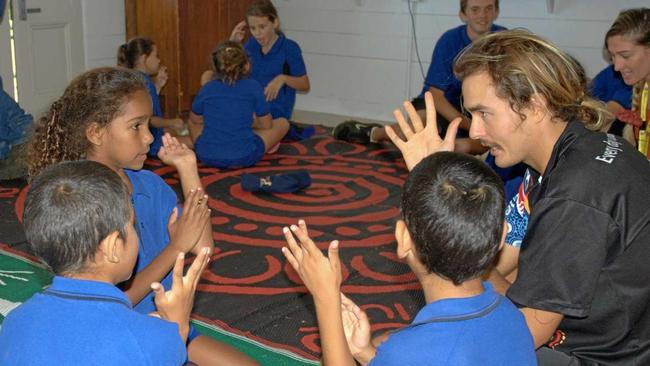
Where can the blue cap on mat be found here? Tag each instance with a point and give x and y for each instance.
(276, 183)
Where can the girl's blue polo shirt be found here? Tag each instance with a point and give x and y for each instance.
(285, 57)
(153, 201)
(81, 322)
(228, 138)
(157, 112)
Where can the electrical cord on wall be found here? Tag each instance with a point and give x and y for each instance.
(415, 40)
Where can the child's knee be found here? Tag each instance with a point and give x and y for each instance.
(281, 124)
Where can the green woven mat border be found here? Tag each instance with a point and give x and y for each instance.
(19, 286)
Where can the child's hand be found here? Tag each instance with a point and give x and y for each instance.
(174, 153)
(161, 78)
(239, 32)
(421, 141)
(321, 275)
(184, 232)
(356, 328)
(630, 117)
(273, 88)
(176, 304)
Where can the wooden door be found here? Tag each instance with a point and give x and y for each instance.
(49, 49)
(204, 23)
(185, 32)
(158, 20)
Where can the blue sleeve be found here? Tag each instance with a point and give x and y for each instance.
(517, 223)
(155, 100)
(294, 59)
(262, 107)
(197, 103)
(623, 97)
(599, 85)
(440, 74)
(14, 124)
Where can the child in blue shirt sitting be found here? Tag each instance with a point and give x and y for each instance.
(231, 123)
(78, 219)
(141, 54)
(450, 233)
(277, 62)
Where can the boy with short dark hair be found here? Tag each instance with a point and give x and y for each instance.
(78, 218)
(450, 232)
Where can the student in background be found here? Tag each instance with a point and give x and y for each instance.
(609, 87)
(142, 54)
(276, 61)
(15, 126)
(231, 122)
(78, 219)
(582, 275)
(628, 44)
(103, 115)
(478, 17)
(449, 234)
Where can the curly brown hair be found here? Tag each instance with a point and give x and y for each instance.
(96, 96)
(229, 62)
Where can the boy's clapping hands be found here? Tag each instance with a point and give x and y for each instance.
(176, 304)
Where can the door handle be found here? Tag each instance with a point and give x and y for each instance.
(23, 10)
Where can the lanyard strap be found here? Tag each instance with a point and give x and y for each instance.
(644, 102)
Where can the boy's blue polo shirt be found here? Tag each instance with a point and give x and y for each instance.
(486, 329)
(441, 70)
(81, 322)
(608, 85)
(153, 201)
(157, 112)
(285, 57)
(227, 112)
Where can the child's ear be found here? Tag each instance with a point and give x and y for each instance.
(503, 234)
(403, 237)
(94, 133)
(109, 248)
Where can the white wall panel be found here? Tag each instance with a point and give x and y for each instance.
(104, 30)
(357, 51)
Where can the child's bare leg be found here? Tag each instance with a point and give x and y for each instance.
(273, 135)
(206, 351)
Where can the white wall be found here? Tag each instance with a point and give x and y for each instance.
(357, 51)
(104, 31)
(5, 55)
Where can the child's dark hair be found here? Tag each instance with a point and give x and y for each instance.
(70, 208)
(453, 206)
(262, 8)
(229, 62)
(96, 96)
(463, 5)
(128, 53)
